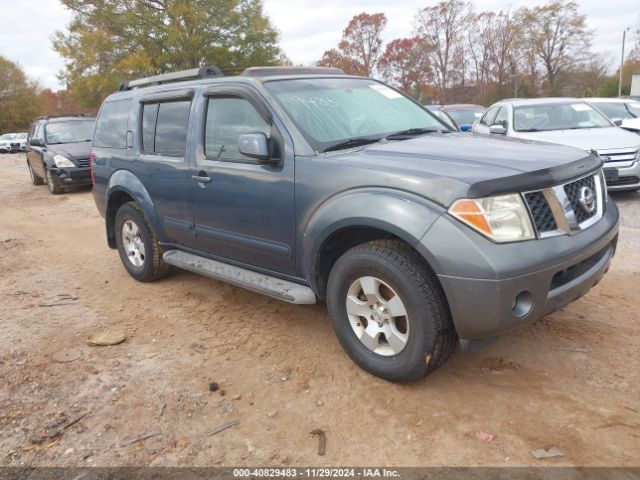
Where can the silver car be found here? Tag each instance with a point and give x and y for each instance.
(572, 122)
(624, 112)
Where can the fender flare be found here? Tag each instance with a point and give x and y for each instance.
(126, 182)
(402, 214)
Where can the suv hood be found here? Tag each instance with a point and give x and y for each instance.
(73, 151)
(444, 167)
(587, 139)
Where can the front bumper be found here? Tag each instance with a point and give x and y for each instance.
(494, 288)
(72, 176)
(628, 177)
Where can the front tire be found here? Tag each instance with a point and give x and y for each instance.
(139, 250)
(52, 183)
(389, 312)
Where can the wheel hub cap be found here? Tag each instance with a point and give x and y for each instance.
(377, 316)
(133, 243)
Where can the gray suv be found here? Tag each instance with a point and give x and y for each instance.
(307, 185)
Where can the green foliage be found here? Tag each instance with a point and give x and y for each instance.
(19, 103)
(112, 40)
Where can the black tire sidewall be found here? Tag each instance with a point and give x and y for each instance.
(410, 363)
(56, 189)
(125, 213)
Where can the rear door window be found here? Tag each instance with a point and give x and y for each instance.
(112, 125)
(164, 127)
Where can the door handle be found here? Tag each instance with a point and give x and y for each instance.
(202, 177)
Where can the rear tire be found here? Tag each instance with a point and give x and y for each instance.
(139, 250)
(35, 179)
(399, 339)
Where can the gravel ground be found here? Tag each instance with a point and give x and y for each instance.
(569, 381)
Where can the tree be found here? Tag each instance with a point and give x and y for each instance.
(359, 50)
(58, 103)
(19, 103)
(558, 37)
(111, 40)
(441, 27)
(406, 64)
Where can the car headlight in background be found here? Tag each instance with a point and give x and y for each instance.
(62, 162)
(503, 218)
(637, 159)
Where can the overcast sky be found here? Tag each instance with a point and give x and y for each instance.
(307, 27)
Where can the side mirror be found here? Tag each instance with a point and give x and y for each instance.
(36, 142)
(255, 145)
(497, 129)
(617, 122)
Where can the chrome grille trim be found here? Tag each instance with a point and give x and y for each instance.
(562, 209)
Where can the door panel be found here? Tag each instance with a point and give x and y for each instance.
(243, 210)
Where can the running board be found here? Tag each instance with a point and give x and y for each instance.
(241, 277)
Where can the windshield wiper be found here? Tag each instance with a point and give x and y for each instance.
(352, 142)
(412, 132)
(530, 130)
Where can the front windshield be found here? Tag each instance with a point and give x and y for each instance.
(615, 110)
(465, 116)
(69, 131)
(21, 136)
(329, 111)
(7, 136)
(557, 116)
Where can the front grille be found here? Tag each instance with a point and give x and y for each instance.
(83, 162)
(574, 192)
(562, 209)
(15, 145)
(622, 181)
(540, 212)
(612, 156)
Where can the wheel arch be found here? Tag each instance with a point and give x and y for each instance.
(125, 187)
(358, 217)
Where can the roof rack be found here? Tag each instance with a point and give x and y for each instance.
(46, 117)
(273, 71)
(181, 76)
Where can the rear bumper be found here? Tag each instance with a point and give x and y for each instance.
(72, 176)
(523, 281)
(628, 178)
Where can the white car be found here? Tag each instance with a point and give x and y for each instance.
(624, 112)
(5, 142)
(572, 122)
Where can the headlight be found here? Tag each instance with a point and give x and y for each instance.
(62, 162)
(503, 218)
(638, 156)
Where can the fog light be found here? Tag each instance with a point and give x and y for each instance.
(522, 304)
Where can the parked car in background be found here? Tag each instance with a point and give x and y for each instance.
(5, 142)
(464, 114)
(573, 122)
(58, 150)
(19, 142)
(624, 112)
(438, 112)
(306, 184)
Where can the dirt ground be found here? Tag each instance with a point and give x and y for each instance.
(571, 380)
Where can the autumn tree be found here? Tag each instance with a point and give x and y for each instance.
(19, 103)
(406, 64)
(558, 36)
(359, 50)
(442, 27)
(112, 40)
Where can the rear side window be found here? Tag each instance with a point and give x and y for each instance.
(111, 126)
(164, 127)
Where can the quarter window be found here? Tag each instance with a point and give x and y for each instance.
(111, 126)
(164, 127)
(227, 119)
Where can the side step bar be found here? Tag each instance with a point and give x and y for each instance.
(240, 277)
